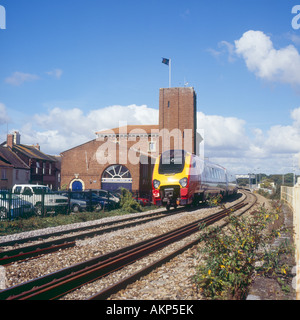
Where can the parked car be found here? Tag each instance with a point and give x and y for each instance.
(41, 197)
(13, 206)
(107, 196)
(76, 205)
(143, 201)
(93, 202)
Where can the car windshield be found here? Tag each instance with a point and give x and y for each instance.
(172, 161)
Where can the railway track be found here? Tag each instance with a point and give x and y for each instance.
(58, 284)
(110, 290)
(30, 251)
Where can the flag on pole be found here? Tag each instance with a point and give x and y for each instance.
(165, 61)
(168, 63)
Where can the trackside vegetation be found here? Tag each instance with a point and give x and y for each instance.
(230, 257)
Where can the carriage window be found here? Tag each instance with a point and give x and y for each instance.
(213, 173)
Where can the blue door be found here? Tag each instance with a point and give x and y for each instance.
(76, 186)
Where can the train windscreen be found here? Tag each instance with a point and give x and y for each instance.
(172, 162)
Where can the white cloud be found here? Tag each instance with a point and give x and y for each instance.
(59, 129)
(283, 139)
(278, 149)
(295, 115)
(224, 48)
(226, 139)
(278, 142)
(222, 132)
(18, 78)
(228, 143)
(56, 73)
(280, 145)
(265, 61)
(229, 47)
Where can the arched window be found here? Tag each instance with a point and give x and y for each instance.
(115, 177)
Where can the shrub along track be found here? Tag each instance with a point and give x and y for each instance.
(57, 284)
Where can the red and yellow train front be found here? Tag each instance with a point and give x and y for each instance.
(172, 183)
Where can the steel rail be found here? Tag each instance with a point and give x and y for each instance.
(20, 256)
(59, 283)
(22, 253)
(123, 283)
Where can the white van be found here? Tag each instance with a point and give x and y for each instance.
(41, 197)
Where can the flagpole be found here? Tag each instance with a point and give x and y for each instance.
(170, 73)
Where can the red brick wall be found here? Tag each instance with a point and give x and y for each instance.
(10, 139)
(177, 110)
(82, 162)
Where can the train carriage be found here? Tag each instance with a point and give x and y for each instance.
(181, 178)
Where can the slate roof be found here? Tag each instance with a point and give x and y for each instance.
(4, 163)
(9, 157)
(32, 152)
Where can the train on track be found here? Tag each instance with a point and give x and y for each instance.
(182, 178)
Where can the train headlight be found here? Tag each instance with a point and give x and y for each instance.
(156, 184)
(183, 182)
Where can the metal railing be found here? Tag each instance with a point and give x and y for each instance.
(14, 205)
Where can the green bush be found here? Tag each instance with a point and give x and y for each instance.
(230, 257)
(127, 202)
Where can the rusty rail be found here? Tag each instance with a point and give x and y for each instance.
(31, 251)
(59, 283)
(114, 288)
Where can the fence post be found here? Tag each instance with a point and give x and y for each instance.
(9, 213)
(69, 201)
(90, 200)
(108, 201)
(2, 278)
(43, 203)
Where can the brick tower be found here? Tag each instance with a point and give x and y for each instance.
(178, 119)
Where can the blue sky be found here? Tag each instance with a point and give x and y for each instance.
(70, 68)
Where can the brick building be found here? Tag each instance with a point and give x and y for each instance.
(178, 118)
(124, 156)
(43, 168)
(12, 169)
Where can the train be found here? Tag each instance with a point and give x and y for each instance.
(182, 178)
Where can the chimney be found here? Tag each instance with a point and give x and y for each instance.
(10, 140)
(17, 137)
